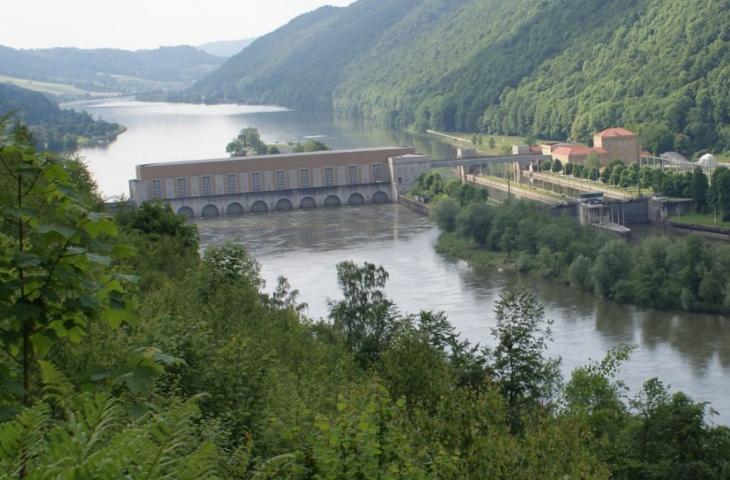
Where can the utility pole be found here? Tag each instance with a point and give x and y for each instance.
(509, 188)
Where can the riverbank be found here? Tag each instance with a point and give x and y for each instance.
(101, 141)
(455, 247)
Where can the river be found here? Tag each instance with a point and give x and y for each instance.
(690, 352)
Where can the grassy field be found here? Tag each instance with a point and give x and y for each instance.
(463, 140)
(701, 219)
(58, 89)
(590, 185)
(519, 187)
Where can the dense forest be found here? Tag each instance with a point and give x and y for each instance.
(128, 354)
(558, 69)
(54, 128)
(110, 70)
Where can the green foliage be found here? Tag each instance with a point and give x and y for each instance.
(465, 193)
(719, 192)
(661, 66)
(474, 222)
(53, 128)
(311, 145)
(92, 438)
(247, 141)
(365, 316)
(156, 219)
(429, 184)
(557, 166)
(57, 262)
(109, 70)
(525, 376)
(223, 380)
(699, 188)
(444, 213)
(686, 274)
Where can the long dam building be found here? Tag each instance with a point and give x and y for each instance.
(234, 186)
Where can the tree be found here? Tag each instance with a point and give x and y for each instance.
(365, 317)
(723, 194)
(568, 169)
(670, 438)
(611, 268)
(526, 377)
(465, 193)
(157, 219)
(444, 213)
(311, 145)
(248, 138)
(557, 166)
(492, 143)
(429, 183)
(657, 138)
(474, 222)
(713, 194)
(699, 188)
(56, 262)
(579, 273)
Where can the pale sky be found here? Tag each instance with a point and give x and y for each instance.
(135, 24)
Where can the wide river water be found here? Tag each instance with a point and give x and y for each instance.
(690, 352)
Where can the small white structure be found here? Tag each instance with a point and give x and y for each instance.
(521, 150)
(707, 161)
(462, 153)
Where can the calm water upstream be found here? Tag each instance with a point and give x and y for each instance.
(690, 352)
(159, 132)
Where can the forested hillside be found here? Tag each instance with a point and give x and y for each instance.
(109, 69)
(53, 128)
(553, 68)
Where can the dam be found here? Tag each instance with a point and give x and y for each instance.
(257, 184)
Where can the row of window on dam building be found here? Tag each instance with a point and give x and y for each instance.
(191, 186)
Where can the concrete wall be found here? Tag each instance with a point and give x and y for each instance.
(660, 209)
(619, 148)
(405, 170)
(265, 168)
(316, 197)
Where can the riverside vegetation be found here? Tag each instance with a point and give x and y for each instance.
(127, 354)
(54, 128)
(688, 274)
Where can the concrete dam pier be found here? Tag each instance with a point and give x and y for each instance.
(236, 186)
(240, 185)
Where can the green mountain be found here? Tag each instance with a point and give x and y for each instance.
(553, 68)
(54, 128)
(226, 48)
(111, 70)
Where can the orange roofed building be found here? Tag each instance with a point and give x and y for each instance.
(608, 145)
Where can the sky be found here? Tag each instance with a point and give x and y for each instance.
(137, 24)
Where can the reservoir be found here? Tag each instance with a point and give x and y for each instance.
(690, 352)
